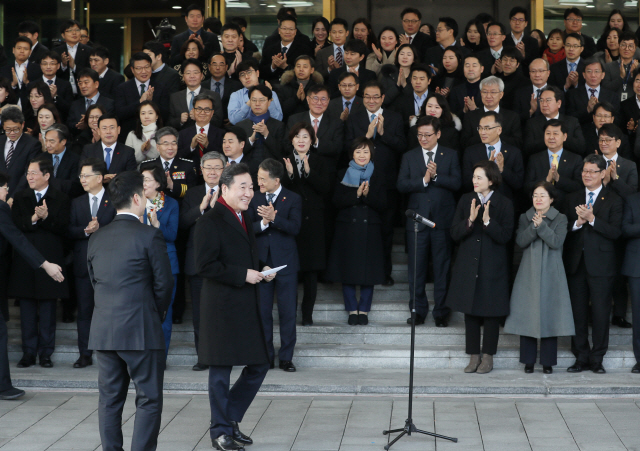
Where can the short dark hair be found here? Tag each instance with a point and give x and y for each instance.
(45, 164)
(139, 56)
(212, 23)
(23, 39)
(194, 7)
(88, 72)
(629, 36)
(361, 141)
(474, 57)
(157, 172)
(239, 21)
(229, 173)
(4, 178)
(286, 11)
(503, 29)
(411, 11)
(241, 135)
(556, 123)
(28, 26)
(68, 24)
(429, 120)
(290, 18)
(594, 60)
(247, 64)
(315, 89)
(339, 21)
(100, 51)
(104, 117)
(605, 106)
(97, 165)
(497, 117)
(347, 74)
(302, 126)
(598, 160)
(123, 187)
(574, 10)
(231, 26)
(577, 36)
(191, 61)
(548, 187)
(374, 84)
(610, 130)
(420, 68)
(491, 170)
(13, 115)
(156, 48)
(484, 18)
(273, 167)
(62, 131)
(262, 89)
(557, 93)
(356, 45)
(451, 24)
(50, 54)
(512, 52)
(306, 58)
(517, 10)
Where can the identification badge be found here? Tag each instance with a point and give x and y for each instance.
(624, 96)
(178, 175)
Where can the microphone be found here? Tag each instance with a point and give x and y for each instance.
(422, 220)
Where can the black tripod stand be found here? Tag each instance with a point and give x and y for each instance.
(409, 427)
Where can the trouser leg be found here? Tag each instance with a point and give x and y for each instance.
(472, 333)
(491, 335)
(549, 351)
(528, 350)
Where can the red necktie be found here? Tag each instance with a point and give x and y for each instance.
(200, 147)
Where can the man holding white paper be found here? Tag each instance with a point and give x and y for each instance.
(276, 213)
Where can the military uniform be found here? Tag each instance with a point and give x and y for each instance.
(183, 174)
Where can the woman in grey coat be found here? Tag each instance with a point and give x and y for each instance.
(540, 303)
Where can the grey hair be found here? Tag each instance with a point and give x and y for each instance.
(492, 80)
(204, 96)
(213, 156)
(229, 173)
(166, 131)
(13, 114)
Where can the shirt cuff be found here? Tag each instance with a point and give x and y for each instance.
(424, 183)
(263, 226)
(591, 222)
(487, 223)
(576, 226)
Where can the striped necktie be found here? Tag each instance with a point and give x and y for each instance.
(10, 153)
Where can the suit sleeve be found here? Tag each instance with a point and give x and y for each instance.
(218, 115)
(459, 228)
(161, 269)
(57, 220)
(576, 142)
(407, 184)
(630, 224)
(513, 173)
(394, 136)
(568, 184)
(18, 240)
(610, 227)
(629, 186)
(290, 225)
(332, 143)
(452, 179)
(169, 226)
(76, 229)
(273, 142)
(123, 110)
(189, 211)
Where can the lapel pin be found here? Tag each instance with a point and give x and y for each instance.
(441, 153)
(602, 198)
(564, 161)
(175, 167)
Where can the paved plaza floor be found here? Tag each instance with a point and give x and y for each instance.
(66, 420)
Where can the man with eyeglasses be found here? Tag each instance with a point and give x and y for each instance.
(384, 127)
(194, 17)
(582, 100)
(65, 163)
(274, 37)
(329, 129)
(203, 136)
(526, 100)
(411, 23)
(221, 82)
(490, 57)
(603, 113)
(573, 24)
(619, 74)
(281, 56)
(89, 86)
(61, 90)
(430, 175)
(74, 55)
(568, 73)
(630, 110)
(199, 200)
(492, 92)
(16, 149)
(117, 156)
(595, 219)
(142, 87)
(446, 34)
(42, 213)
(551, 101)
(239, 104)
(349, 101)
(492, 147)
(89, 212)
(526, 45)
(355, 52)
(182, 102)
(555, 164)
(109, 78)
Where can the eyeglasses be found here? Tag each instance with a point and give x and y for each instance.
(86, 176)
(590, 172)
(572, 46)
(425, 135)
(538, 71)
(493, 93)
(486, 129)
(347, 85)
(214, 169)
(28, 173)
(516, 20)
(203, 110)
(411, 21)
(246, 73)
(604, 116)
(548, 100)
(316, 99)
(494, 34)
(168, 143)
(628, 46)
(606, 140)
(376, 98)
(141, 68)
(193, 72)
(49, 63)
(441, 30)
(13, 130)
(148, 180)
(259, 101)
(593, 72)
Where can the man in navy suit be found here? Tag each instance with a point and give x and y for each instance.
(411, 23)
(61, 90)
(117, 157)
(276, 214)
(194, 17)
(341, 107)
(220, 82)
(631, 266)
(89, 212)
(203, 136)
(74, 54)
(569, 72)
(281, 55)
(431, 176)
(109, 78)
(65, 164)
(89, 86)
(582, 100)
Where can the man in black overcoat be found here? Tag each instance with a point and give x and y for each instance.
(631, 266)
(227, 259)
(133, 285)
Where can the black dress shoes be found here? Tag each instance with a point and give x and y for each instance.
(45, 362)
(82, 362)
(288, 366)
(528, 369)
(239, 436)
(26, 361)
(621, 322)
(598, 368)
(199, 367)
(272, 365)
(353, 320)
(441, 322)
(307, 321)
(226, 443)
(636, 368)
(389, 282)
(547, 369)
(12, 393)
(68, 317)
(363, 320)
(419, 320)
(577, 367)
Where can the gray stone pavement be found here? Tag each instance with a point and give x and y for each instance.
(49, 420)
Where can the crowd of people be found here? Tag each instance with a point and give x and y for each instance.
(500, 136)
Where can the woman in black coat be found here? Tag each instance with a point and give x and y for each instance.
(311, 177)
(356, 256)
(482, 226)
(436, 105)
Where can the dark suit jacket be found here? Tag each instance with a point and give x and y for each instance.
(512, 175)
(629, 110)
(522, 102)
(272, 144)
(534, 135)
(63, 99)
(168, 77)
(511, 130)
(597, 242)
(33, 73)
(487, 60)
(591, 142)
(179, 105)
(185, 136)
(36, 54)
(79, 107)
(559, 73)
(10, 234)
(133, 285)
(456, 99)
(123, 158)
(330, 136)
(189, 215)
(231, 85)
(422, 42)
(436, 201)
(183, 173)
(433, 55)
(109, 83)
(322, 61)
(82, 59)
(210, 40)
(405, 105)
(627, 182)
(365, 75)
(335, 108)
(27, 149)
(631, 230)
(387, 147)
(278, 241)
(80, 218)
(66, 178)
(578, 99)
(569, 170)
(296, 49)
(127, 102)
(531, 50)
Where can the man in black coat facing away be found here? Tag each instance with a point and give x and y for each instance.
(631, 266)
(9, 233)
(431, 176)
(133, 287)
(595, 219)
(227, 260)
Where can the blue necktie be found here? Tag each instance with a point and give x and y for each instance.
(38, 197)
(218, 87)
(56, 163)
(590, 203)
(107, 159)
(491, 149)
(375, 130)
(572, 66)
(270, 197)
(193, 93)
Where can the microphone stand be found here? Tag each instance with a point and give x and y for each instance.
(409, 427)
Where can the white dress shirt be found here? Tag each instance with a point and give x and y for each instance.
(195, 93)
(7, 146)
(146, 86)
(237, 160)
(206, 132)
(426, 159)
(276, 193)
